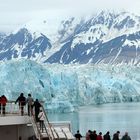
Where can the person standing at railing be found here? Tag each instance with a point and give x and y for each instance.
(88, 135)
(107, 136)
(78, 136)
(116, 135)
(30, 102)
(22, 102)
(37, 106)
(3, 103)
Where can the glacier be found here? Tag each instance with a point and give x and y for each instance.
(64, 88)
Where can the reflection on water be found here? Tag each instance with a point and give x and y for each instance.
(112, 117)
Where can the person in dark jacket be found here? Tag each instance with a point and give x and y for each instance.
(126, 136)
(78, 136)
(116, 135)
(37, 106)
(22, 102)
(3, 103)
(107, 136)
(93, 135)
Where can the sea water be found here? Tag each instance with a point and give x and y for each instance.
(108, 117)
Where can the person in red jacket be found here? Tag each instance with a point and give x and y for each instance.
(99, 137)
(3, 103)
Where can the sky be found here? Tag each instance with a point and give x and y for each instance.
(15, 13)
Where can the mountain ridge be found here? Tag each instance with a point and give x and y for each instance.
(106, 37)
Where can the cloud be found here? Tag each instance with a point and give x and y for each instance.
(14, 13)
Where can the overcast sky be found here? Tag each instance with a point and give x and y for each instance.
(14, 13)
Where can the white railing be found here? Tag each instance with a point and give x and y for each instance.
(62, 124)
(35, 127)
(48, 126)
(12, 108)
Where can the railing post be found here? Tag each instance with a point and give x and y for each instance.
(35, 127)
(49, 125)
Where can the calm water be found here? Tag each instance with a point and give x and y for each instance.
(112, 117)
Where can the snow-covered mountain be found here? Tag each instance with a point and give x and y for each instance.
(23, 44)
(106, 37)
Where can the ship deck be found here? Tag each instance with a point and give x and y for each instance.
(13, 120)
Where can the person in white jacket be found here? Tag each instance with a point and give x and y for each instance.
(41, 117)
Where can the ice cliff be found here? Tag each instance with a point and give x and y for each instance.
(65, 87)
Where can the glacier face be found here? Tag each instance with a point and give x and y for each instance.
(65, 87)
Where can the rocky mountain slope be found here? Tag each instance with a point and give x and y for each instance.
(106, 37)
